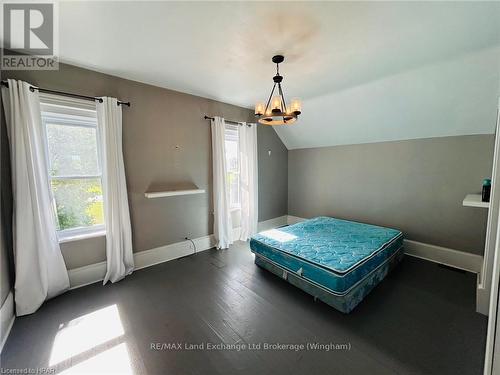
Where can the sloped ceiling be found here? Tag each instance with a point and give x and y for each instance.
(366, 71)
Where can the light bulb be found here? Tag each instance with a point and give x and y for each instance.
(296, 106)
(276, 103)
(259, 108)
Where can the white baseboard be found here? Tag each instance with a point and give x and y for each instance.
(173, 251)
(273, 223)
(263, 225)
(482, 300)
(94, 273)
(86, 275)
(294, 219)
(449, 257)
(7, 317)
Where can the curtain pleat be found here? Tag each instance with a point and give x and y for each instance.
(248, 180)
(40, 271)
(223, 225)
(119, 254)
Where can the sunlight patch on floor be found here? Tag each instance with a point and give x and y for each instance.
(112, 361)
(85, 333)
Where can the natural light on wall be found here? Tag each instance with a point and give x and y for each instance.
(92, 342)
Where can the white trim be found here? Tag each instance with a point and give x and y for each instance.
(443, 255)
(94, 273)
(483, 296)
(70, 112)
(7, 318)
(70, 235)
(86, 275)
(490, 283)
(475, 200)
(491, 228)
(172, 193)
(273, 223)
(173, 251)
(263, 225)
(50, 100)
(294, 219)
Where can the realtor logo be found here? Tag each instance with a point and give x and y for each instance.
(28, 41)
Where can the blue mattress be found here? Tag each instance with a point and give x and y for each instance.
(336, 254)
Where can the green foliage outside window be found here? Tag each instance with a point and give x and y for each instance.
(78, 202)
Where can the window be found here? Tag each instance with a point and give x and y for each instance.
(233, 165)
(74, 166)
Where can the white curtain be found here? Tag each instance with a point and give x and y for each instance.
(119, 255)
(223, 225)
(248, 180)
(40, 271)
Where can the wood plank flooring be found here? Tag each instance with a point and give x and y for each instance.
(419, 320)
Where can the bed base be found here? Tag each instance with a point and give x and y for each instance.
(345, 302)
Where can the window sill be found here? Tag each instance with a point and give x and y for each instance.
(234, 209)
(81, 236)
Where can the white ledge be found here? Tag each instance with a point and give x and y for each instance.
(474, 200)
(82, 236)
(171, 193)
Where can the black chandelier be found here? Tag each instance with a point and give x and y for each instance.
(276, 112)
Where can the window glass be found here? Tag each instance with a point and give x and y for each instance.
(72, 150)
(233, 165)
(79, 202)
(74, 167)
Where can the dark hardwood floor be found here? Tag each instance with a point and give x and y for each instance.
(419, 320)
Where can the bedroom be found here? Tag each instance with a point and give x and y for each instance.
(159, 217)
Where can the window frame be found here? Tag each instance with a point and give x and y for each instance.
(234, 129)
(71, 112)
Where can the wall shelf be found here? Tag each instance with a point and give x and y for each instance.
(474, 200)
(171, 193)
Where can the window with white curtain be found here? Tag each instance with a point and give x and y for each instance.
(233, 165)
(74, 165)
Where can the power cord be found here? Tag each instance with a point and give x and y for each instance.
(194, 245)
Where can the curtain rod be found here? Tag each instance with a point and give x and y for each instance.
(228, 121)
(47, 91)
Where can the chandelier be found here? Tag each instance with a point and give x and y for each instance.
(275, 111)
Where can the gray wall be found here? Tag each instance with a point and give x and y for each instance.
(416, 186)
(273, 174)
(166, 141)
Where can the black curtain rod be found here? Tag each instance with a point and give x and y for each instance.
(228, 121)
(47, 91)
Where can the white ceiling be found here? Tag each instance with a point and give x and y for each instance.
(356, 65)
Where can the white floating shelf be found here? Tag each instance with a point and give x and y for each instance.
(171, 193)
(474, 200)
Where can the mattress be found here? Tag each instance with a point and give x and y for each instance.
(332, 253)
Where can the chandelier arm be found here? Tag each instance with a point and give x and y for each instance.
(269, 100)
(282, 97)
(283, 105)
